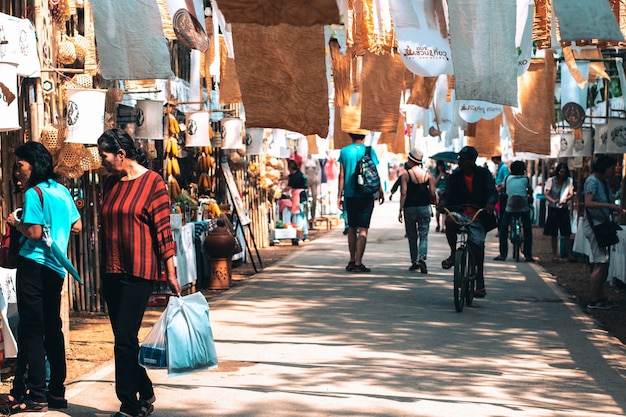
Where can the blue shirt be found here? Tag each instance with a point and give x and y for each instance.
(602, 194)
(503, 172)
(59, 213)
(348, 158)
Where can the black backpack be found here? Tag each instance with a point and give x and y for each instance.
(366, 175)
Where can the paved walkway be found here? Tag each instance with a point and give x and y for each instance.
(305, 338)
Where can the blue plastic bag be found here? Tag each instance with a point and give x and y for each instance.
(190, 345)
(152, 351)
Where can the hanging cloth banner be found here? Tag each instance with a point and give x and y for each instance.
(381, 83)
(473, 110)
(524, 34)
(600, 22)
(272, 12)
(583, 146)
(9, 110)
(18, 43)
(255, 140)
(188, 22)
(482, 38)
(574, 97)
(443, 108)
(149, 119)
(486, 138)
(600, 138)
(197, 132)
(85, 115)
(125, 54)
(277, 144)
(297, 98)
(616, 136)
(422, 36)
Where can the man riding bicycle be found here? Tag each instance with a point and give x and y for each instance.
(469, 189)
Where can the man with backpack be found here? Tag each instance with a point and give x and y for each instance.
(360, 186)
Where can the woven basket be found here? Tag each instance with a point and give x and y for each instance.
(66, 54)
(83, 81)
(81, 45)
(94, 156)
(63, 90)
(50, 138)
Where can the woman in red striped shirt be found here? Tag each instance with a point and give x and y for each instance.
(136, 241)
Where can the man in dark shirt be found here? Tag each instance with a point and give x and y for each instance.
(469, 189)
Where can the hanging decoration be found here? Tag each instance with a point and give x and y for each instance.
(85, 115)
(9, 114)
(149, 119)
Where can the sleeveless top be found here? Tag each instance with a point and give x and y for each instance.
(417, 195)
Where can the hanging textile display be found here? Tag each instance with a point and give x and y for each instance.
(149, 119)
(396, 141)
(188, 23)
(530, 123)
(600, 138)
(381, 90)
(9, 113)
(574, 96)
(271, 12)
(486, 137)
(555, 145)
(542, 24)
(566, 145)
(297, 97)
(422, 91)
(340, 136)
(600, 22)
(198, 129)
(524, 34)
(443, 105)
(474, 110)
(583, 146)
(277, 144)
(255, 140)
(146, 51)
(230, 91)
(340, 65)
(85, 115)
(422, 36)
(485, 58)
(616, 136)
(18, 43)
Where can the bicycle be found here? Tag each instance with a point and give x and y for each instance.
(464, 265)
(517, 235)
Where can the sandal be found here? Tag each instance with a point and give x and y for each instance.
(29, 406)
(480, 293)
(146, 407)
(10, 400)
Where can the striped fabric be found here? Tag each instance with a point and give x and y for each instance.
(136, 232)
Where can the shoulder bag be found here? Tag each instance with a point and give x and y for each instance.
(605, 232)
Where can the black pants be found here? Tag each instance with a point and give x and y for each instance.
(40, 334)
(127, 299)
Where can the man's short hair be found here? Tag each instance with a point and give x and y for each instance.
(357, 136)
(468, 152)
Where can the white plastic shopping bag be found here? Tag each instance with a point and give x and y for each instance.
(190, 345)
(152, 351)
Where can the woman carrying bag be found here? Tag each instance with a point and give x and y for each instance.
(136, 240)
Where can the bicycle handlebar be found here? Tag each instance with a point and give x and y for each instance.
(460, 223)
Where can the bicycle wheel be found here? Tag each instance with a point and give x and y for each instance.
(471, 282)
(517, 240)
(460, 284)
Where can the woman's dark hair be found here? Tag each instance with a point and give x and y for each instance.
(292, 164)
(603, 163)
(518, 168)
(559, 167)
(40, 161)
(440, 164)
(114, 140)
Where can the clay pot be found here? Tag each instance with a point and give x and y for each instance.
(219, 245)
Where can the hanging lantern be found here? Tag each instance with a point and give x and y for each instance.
(149, 119)
(232, 129)
(85, 115)
(9, 114)
(255, 137)
(197, 132)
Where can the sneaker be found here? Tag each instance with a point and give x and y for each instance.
(345, 231)
(414, 267)
(500, 258)
(422, 266)
(601, 305)
(360, 268)
(350, 266)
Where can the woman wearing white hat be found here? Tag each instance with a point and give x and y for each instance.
(418, 193)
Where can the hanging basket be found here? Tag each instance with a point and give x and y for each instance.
(113, 96)
(51, 138)
(83, 81)
(81, 45)
(66, 54)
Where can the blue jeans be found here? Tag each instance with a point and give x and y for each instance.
(416, 224)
